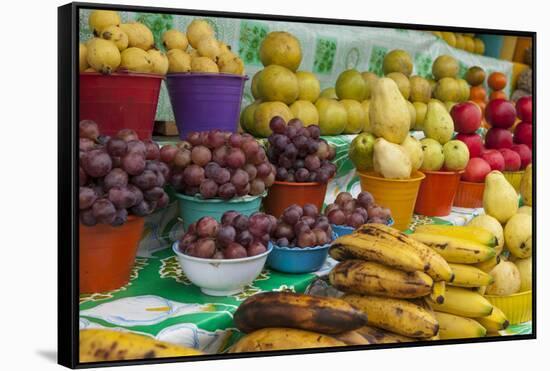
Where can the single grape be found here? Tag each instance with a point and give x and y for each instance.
(104, 211)
(235, 140)
(312, 162)
(245, 238)
(226, 235)
(145, 180)
(355, 220)
(321, 236)
(342, 198)
(301, 142)
(283, 242)
(97, 163)
(348, 207)
(168, 153)
(235, 158)
(282, 174)
(291, 132)
(284, 230)
(216, 138)
(337, 217)
(193, 175)
(136, 146)
(194, 138)
(250, 148)
(133, 163)
(291, 151)
(314, 131)
(127, 135)
(85, 144)
(281, 142)
(219, 155)
(121, 217)
(208, 189)
(164, 169)
(302, 175)
(243, 191)
(251, 170)
(227, 191)
(115, 177)
(153, 194)
(228, 217)
(269, 180)
(259, 224)
(86, 198)
(331, 207)
(88, 129)
(277, 125)
(365, 199)
(290, 216)
(361, 210)
(87, 217)
(307, 239)
(204, 248)
(234, 251)
(310, 210)
(257, 187)
(207, 227)
(295, 123)
(201, 155)
(186, 240)
(256, 248)
(312, 147)
(323, 150)
(240, 178)
(240, 222)
(152, 150)
(122, 197)
(138, 194)
(322, 222)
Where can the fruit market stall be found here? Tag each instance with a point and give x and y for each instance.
(385, 192)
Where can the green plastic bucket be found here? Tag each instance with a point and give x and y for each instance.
(192, 208)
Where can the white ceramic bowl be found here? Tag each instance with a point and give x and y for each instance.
(221, 277)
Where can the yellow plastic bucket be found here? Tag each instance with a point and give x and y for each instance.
(398, 195)
(518, 307)
(514, 178)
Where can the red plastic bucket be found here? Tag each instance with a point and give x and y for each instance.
(469, 194)
(120, 101)
(205, 101)
(437, 192)
(283, 194)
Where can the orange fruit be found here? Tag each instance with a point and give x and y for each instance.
(481, 104)
(478, 93)
(497, 94)
(497, 81)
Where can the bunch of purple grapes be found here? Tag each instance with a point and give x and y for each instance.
(237, 236)
(217, 164)
(355, 212)
(302, 227)
(118, 176)
(299, 153)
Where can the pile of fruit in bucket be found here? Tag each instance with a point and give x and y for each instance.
(118, 46)
(118, 176)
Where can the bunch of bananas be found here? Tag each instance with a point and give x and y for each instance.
(460, 308)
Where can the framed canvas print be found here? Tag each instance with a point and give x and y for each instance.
(243, 185)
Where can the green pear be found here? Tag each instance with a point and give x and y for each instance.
(389, 115)
(391, 160)
(456, 155)
(433, 155)
(526, 186)
(350, 85)
(413, 147)
(500, 199)
(361, 151)
(438, 123)
(518, 235)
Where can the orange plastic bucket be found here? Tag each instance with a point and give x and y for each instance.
(107, 254)
(398, 195)
(283, 194)
(437, 192)
(469, 194)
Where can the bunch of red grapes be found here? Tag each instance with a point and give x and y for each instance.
(237, 236)
(302, 227)
(355, 212)
(299, 153)
(217, 164)
(118, 176)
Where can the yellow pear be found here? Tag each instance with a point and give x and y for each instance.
(309, 87)
(391, 160)
(518, 235)
(356, 116)
(438, 123)
(389, 115)
(526, 186)
(500, 199)
(413, 147)
(305, 111)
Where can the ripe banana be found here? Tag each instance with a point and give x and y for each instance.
(469, 276)
(495, 322)
(488, 265)
(278, 338)
(351, 338)
(456, 327)
(395, 315)
(438, 292)
(435, 266)
(471, 233)
(378, 336)
(455, 250)
(396, 255)
(287, 309)
(463, 302)
(107, 345)
(363, 277)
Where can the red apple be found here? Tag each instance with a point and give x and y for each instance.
(497, 138)
(474, 142)
(500, 113)
(524, 153)
(524, 134)
(524, 108)
(476, 170)
(512, 161)
(466, 117)
(494, 159)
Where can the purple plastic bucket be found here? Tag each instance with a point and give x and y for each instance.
(205, 101)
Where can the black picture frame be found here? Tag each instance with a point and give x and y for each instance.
(68, 291)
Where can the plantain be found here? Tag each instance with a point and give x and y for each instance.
(455, 250)
(472, 233)
(488, 265)
(278, 338)
(464, 302)
(372, 248)
(438, 292)
(107, 345)
(363, 277)
(469, 276)
(494, 322)
(456, 327)
(351, 338)
(307, 312)
(395, 315)
(434, 264)
(379, 336)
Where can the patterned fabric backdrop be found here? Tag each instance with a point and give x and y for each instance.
(327, 49)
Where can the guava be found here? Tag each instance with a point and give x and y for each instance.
(103, 56)
(159, 60)
(136, 60)
(350, 85)
(178, 61)
(139, 35)
(281, 48)
(278, 83)
(174, 39)
(198, 29)
(100, 19)
(203, 64)
(361, 151)
(115, 34)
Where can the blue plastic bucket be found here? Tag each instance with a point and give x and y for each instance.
(342, 230)
(192, 208)
(205, 101)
